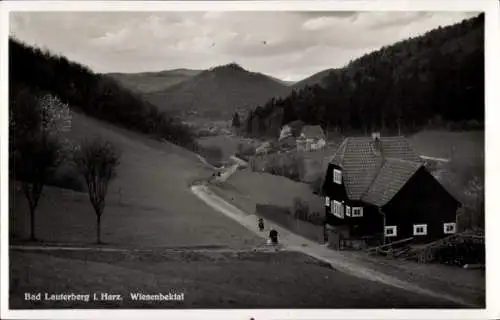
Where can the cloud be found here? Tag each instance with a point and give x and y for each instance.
(290, 45)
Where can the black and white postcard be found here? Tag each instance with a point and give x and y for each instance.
(249, 160)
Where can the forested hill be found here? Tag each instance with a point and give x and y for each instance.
(219, 92)
(436, 77)
(33, 72)
(317, 78)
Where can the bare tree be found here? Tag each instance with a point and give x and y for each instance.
(36, 160)
(97, 160)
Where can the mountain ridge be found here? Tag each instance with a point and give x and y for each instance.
(218, 92)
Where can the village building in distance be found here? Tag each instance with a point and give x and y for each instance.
(305, 137)
(377, 189)
(311, 138)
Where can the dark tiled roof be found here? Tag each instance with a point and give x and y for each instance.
(366, 165)
(391, 178)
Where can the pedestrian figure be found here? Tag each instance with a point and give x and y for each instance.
(273, 235)
(261, 224)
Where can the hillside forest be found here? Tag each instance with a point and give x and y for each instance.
(35, 72)
(436, 79)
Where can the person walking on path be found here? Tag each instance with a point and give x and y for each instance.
(261, 224)
(273, 236)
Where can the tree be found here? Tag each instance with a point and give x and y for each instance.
(236, 120)
(399, 87)
(36, 160)
(97, 160)
(35, 148)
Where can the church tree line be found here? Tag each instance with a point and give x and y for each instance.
(434, 79)
(34, 70)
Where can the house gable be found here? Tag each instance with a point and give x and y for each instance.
(425, 195)
(331, 189)
(422, 200)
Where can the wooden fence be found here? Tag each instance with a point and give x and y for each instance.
(283, 217)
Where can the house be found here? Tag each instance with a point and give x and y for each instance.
(378, 188)
(311, 138)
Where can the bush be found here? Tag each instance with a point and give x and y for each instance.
(465, 180)
(316, 185)
(460, 254)
(316, 218)
(301, 212)
(245, 151)
(300, 209)
(292, 168)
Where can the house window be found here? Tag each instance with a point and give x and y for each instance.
(357, 212)
(348, 211)
(450, 227)
(327, 201)
(391, 231)
(419, 229)
(338, 209)
(337, 176)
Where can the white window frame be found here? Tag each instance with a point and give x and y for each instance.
(337, 209)
(327, 201)
(337, 176)
(348, 211)
(448, 224)
(394, 231)
(418, 233)
(359, 214)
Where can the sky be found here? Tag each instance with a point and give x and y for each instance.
(287, 45)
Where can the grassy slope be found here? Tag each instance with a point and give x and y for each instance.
(247, 280)
(156, 207)
(439, 143)
(248, 188)
(228, 144)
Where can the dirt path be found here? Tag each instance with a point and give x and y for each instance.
(290, 241)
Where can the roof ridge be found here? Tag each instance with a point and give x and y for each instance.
(338, 149)
(403, 160)
(379, 169)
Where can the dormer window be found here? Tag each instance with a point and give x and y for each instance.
(337, 176)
